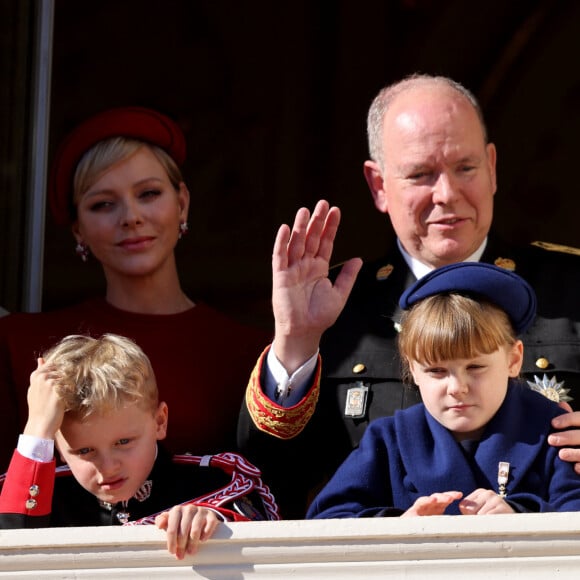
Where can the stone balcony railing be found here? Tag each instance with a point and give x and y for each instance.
(443, 547)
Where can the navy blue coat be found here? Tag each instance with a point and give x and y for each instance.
(410, 455)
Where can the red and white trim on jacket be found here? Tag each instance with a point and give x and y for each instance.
(245, 479)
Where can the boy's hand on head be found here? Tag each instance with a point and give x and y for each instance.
(186, 526)
(569, 438)
(45, 407)
(432, 505)
(483, 502)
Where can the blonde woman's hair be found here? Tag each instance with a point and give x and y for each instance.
(106, 153)
(451, 326)
(100, 375)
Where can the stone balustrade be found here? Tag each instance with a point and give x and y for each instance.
(526, 546)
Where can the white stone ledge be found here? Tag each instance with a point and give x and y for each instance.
(504, 546)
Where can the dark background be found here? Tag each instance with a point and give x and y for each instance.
(273, 99)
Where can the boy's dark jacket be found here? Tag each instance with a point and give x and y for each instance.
(25, 500)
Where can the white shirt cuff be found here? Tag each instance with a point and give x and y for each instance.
(36, 448)
(287, 383)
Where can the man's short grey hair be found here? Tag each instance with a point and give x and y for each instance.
(388, 94)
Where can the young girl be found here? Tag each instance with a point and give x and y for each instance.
(478, 442)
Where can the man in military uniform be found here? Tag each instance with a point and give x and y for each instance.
(432, 170)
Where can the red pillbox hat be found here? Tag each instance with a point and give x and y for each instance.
(134, 122)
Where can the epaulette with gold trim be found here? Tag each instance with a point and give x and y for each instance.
(269, 417)
(557, 248)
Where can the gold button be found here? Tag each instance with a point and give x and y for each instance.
(33, 490)
(542, 363)
(359, 368)
(30, 504)
(384, 272)
(506, 264)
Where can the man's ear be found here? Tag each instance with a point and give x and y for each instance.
(492, 160)
(161, 419)
(375, 181)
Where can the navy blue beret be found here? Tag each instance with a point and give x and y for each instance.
(501, 287)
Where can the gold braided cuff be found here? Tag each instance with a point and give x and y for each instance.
(271, 418)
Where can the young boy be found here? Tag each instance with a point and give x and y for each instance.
(478, 442)
(97, 400)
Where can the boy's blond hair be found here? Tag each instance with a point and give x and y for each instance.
(99, 375)
(452, 326)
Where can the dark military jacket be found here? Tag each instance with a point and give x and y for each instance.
(360, 362)
(224, 482)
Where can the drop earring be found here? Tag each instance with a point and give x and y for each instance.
(183, 229)
(82, 251)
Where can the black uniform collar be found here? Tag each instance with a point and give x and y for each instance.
(138, 504)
